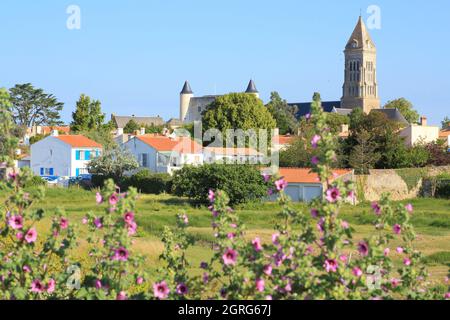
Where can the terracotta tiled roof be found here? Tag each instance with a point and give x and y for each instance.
(304, 175)
(233, 151)
(79, 141)
(165, 144)
(284, 140)
(444, 133)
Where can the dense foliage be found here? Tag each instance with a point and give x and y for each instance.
(242, 183)
(113, 163)
(284, 115)
(33, 107)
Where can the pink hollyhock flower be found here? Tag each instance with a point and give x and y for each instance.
(205, 277)
(185, 219)
(257, 244)
(400, 250)
(387, 251)
(266, 177)
(19, 236)
(345, 225)
(281, 184)
(308, 116)
(363, 248)
(260, 285)
(98, 284)
(270, 192)
(397, 229)
(230, 235)
(269, 298)
(315, 141)
(37, 286)
(409, 207)
(26, 269)
(230, 257)
(98, 223)
(16, 222)
(161, 290)
(182, 289)
(51, 285)
(447, 296)
(275, 237)
(333, 195)
(268, 270)
(122, 295)
(315, 160)
(331, 265)
(128, 217)
(64, 223)
(395, 282)
(84, 220)
(314, 213)
(132, 228)
(120, 254)
(407, 262)
(139, 280)
(351, 196)
(376, 208)
(203, 265)
(211, 196)
(113, 199)
(357, 272)
(98, 198)
(31, 235)
(343, 258)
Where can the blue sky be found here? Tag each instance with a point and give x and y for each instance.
(134, 55)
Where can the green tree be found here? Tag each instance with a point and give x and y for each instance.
(8, 143)
(363, 157)
(406, 109)
(87, 115)
(445, 123)
(113, 164)
(237, 111)
(283, 114)
(32, 106)
(131, 126)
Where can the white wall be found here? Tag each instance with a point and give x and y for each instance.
(51, 153)
(416, 134)
(80, 164)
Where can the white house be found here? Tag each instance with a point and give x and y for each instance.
(164, 154)
(63, 156)
(420, 133)
(304, 185)
(232, 155)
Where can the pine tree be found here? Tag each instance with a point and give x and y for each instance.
(363, 156)
(88, 115)
(8, 143)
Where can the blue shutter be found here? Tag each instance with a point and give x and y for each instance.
(87, 155)
(77, 155)
(77, 172)
(51, 171)
(42, 171)
(97, 153)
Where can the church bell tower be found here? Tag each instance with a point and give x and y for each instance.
(360, 88)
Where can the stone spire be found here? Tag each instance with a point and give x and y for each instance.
(360, 38)
(186, 89)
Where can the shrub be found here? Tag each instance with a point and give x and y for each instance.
(242, 183)
(149, 183)
(35, 181)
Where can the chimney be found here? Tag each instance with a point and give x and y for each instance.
(423, 121)
(55, 133)
(142, 132)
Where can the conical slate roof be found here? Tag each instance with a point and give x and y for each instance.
(186, 89)
(360, 38)
(251, 87)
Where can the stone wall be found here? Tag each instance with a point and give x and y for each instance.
(401, 184)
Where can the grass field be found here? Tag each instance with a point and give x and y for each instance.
(431, 219)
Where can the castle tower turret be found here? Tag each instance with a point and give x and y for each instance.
(360, 88)
(185, 98)
(251, 88)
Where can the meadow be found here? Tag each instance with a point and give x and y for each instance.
(431, 219)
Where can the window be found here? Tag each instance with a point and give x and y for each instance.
(47, 171)
(143, 160)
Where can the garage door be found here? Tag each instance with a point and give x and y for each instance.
(312, 192)
(294, 192)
